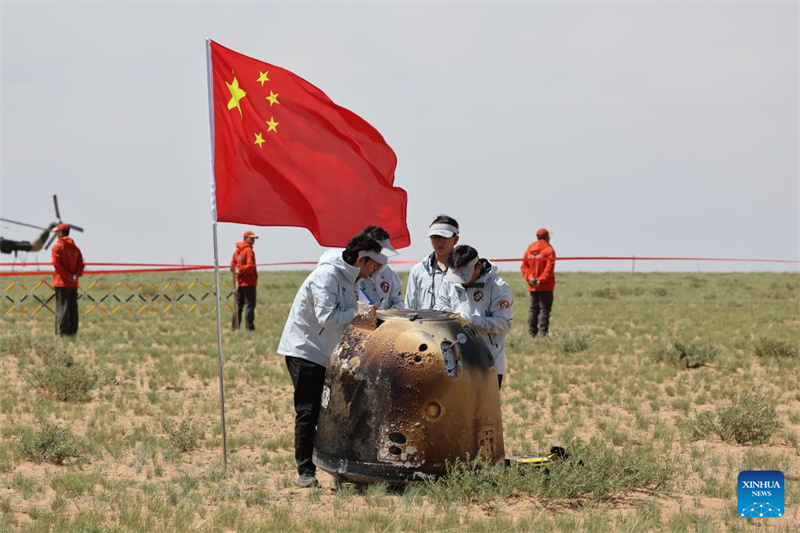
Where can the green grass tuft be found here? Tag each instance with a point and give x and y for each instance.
(50, 443)
(768, 347)
(184, 436)
(750, 419)
(58, 375)
(686, 355)
(572, 341)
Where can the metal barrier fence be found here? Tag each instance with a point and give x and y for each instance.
(32, 298)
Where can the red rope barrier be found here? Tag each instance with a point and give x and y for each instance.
(107, 264)
(97, 272)
(167, 267)
(637, 258)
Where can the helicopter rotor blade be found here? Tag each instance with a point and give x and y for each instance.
(24, 224)
(50, 241)
(58, 215)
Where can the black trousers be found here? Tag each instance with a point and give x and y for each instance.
(308, 379)
(539, 314)
(66, 310)
(245, 296)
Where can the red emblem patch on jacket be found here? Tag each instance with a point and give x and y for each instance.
(385, 286)
(503, 304)
(477, 296)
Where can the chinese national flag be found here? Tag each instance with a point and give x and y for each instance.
(286, 155)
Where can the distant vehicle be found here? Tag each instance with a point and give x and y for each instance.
(44, 240)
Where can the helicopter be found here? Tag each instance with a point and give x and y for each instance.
(44, 240)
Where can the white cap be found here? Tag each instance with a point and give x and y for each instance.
(378, 258)
(461, 275)
(388, 249)
(442, 230)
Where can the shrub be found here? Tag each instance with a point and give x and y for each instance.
(606, 293)
(59, 375)
(16, 345)
(51, 351)
(183, 436)
(600, 471)
(630, 291)
(692, 355)
(766, 347)
(749, 420)
(570, 342)
(595, 470)
(51, 444)
(148, 291)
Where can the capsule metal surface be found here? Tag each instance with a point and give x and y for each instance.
(407, 392)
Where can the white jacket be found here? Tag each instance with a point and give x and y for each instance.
(487, 305)
(324, 306)
(424, 283)
(382, 288)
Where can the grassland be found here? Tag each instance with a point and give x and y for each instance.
(667, 385)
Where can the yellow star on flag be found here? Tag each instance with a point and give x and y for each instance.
(262, 77)
(236, 95)
(259, 140)
(273, 98)
(273, 126)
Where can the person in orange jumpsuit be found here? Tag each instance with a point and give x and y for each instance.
(538, 269)
(243, 264)
(68, 263)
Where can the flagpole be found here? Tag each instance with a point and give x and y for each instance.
(216, 257)
(219, 352)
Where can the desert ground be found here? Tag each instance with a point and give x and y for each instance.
(663, 385)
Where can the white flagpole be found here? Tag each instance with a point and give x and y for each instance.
(216, 255)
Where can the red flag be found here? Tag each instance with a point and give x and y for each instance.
(286, 155)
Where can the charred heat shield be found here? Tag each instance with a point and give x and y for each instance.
(406, 393)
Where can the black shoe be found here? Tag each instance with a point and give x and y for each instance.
(307, 481)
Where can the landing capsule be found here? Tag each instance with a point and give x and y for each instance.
(406, 393)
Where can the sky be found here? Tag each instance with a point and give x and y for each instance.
(626, 128)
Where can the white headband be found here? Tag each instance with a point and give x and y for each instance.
(463, 274)
(378, 258)
(388, 249)
(442, 230)
(469, 267)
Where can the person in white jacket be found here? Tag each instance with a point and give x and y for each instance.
(383, 288)
(473, 290)
(425, 279)
(324, 306)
